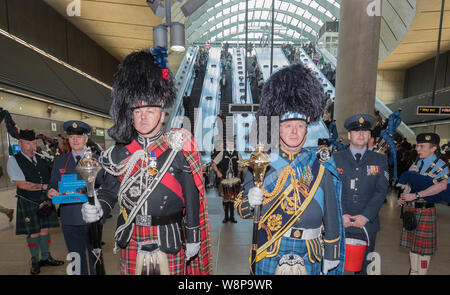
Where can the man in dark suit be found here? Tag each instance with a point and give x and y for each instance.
(75, 229)
(365, 177)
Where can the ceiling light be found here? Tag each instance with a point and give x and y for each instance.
(177, 38)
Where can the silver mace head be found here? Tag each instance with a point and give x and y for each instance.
(88, 167)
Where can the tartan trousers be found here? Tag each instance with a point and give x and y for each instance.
(421, 240)
(144, 234)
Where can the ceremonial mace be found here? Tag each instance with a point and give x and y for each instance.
(88, 168)
(258, 162)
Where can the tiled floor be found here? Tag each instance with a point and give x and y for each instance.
(230, 242)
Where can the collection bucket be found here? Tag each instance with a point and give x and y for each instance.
(354, 253)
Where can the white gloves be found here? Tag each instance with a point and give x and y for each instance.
(92, 213)
(191, 250)
(255, 196)
(329, 265)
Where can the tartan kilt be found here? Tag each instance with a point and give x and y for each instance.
(143, 234)
(27, 221)
(423, 239)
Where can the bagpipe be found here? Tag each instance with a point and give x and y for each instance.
(10, 124)
(419, 182)
(386, 140)
(333, 141)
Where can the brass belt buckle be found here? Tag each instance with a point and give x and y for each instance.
(296, 233)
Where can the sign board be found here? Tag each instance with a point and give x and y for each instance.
(100, 132)
(242, 108)
(433, 110)
(53, 126)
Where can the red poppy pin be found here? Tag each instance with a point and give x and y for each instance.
(340, 170)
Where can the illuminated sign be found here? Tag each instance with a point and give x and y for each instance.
(433, 110)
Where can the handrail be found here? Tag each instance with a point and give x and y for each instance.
(182, 80)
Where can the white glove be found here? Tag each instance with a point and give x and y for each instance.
(255, 196)
(92, 213)
(191, 250)
(329, 265)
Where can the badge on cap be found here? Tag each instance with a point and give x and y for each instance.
(74, 125)
(361, 120)
(428, 137)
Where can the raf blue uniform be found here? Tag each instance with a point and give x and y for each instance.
(364, 185)
(75, 229)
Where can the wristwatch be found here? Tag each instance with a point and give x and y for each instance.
(418, 196)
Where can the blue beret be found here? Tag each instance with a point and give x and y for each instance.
(76, 127)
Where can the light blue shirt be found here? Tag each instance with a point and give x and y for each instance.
(74, 155)
(428, 161)
(355, 152)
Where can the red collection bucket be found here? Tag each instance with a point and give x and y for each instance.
(354, 253)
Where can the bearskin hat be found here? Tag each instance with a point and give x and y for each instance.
(295, 90)
(143, 78)
(292, 93)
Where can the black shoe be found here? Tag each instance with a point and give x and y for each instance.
(50, 262)
(225, 220)
(233, 220)
(35, 268)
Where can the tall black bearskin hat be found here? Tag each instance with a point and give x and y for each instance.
(142, 79)
(292, 93)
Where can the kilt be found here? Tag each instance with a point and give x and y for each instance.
(268, 265)
(423, 239)
(143, 234)
(27, 221)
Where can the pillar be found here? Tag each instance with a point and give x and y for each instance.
(357, 62)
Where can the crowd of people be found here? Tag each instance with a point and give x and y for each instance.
(306, 201)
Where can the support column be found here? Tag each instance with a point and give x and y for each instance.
(357, 62)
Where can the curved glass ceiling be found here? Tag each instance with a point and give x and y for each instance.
(224, 20)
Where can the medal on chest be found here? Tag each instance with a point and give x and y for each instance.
(152, 167)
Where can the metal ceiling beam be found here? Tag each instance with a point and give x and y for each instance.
(232, 38)
(201, 16)
(300, 18)
(210, 34)
(208, 25)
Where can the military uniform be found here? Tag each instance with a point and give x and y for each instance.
(364, 189)
(157, 181)
(169, 217)
(75, 229)
(422, 241)
(27, 221)
(227, 163)
(300, 213)
(36, 171)
(364, 184)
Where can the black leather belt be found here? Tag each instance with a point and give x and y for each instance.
(426, 205)
(149, 220)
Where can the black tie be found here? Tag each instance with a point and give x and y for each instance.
(78, 158)
(358, 157)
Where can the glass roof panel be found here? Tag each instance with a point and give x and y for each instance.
(294, 19)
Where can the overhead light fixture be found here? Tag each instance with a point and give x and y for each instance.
(191, 6)
(160, 35)
(156, 7)
(177, 36)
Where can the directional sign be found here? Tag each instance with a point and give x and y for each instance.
(433, 110)
(242, 108)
